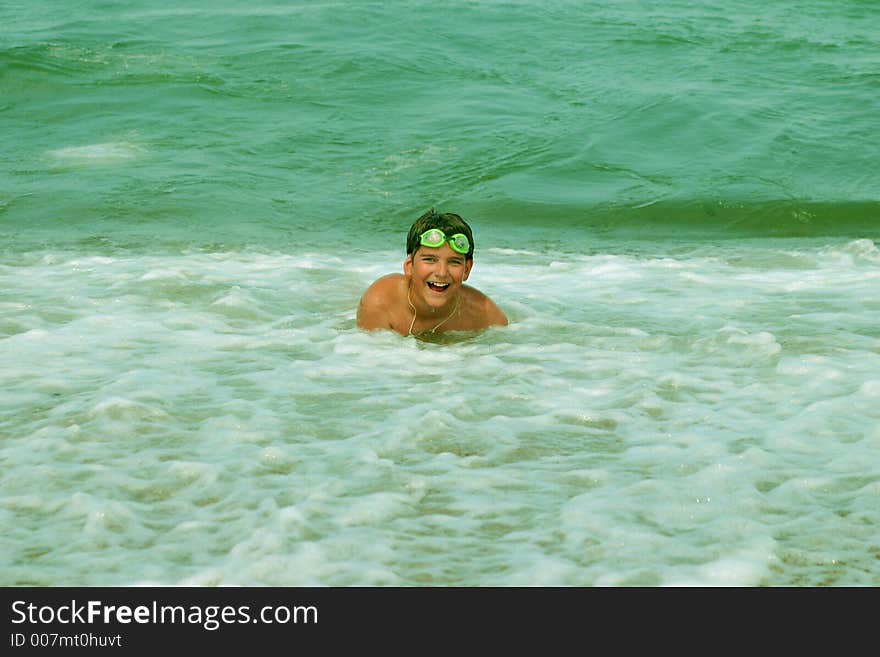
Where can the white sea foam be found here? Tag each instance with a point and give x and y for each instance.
(111, 152)
(643, 421)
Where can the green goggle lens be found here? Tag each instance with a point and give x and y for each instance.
(434, 237)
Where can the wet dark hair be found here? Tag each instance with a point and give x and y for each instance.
(448, 222)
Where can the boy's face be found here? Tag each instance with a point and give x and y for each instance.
(437, 274)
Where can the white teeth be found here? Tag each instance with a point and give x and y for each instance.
(439, 284)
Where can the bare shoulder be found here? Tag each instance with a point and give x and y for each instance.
(379, 302)
(482, 310)
(388, 285)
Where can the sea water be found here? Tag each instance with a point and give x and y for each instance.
(676, 206)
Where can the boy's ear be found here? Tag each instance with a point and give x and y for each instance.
(407, 265)
(468, 265)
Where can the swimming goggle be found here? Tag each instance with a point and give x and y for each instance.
(434, 237)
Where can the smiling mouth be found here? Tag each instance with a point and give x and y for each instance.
(438, 287)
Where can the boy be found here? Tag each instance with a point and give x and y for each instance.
(430, 296)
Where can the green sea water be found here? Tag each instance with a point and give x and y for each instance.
(285, 120)
(676, 204)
